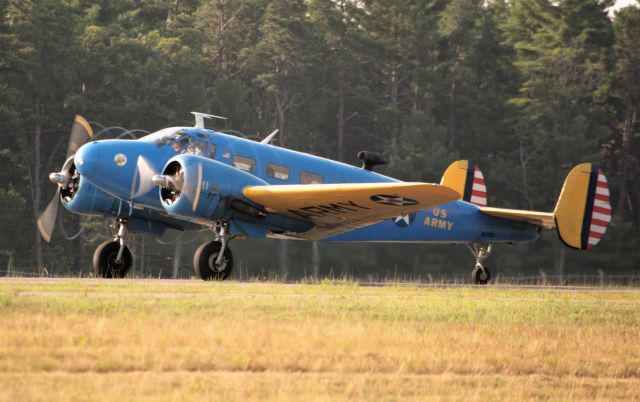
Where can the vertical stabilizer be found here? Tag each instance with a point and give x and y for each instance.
(466, 178)
(583, 211)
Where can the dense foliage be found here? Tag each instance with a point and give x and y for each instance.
(525, 88)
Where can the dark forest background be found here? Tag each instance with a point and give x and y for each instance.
(525, 88)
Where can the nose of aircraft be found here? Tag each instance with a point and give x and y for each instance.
(86, 159)
(118, 167)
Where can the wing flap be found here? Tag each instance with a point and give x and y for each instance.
(543, 219)
(336, 208)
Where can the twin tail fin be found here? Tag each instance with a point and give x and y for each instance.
(466, 178)
(583, 211)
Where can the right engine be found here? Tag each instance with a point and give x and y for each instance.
(203, 189)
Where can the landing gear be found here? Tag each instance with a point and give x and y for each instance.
(213, 261)
(113, 259)
(480, 274)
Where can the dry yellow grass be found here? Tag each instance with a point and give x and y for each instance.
(106, 340)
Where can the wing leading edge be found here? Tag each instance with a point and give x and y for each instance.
(337, 208)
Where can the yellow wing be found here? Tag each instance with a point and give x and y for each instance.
(542, 219)
(337, 208)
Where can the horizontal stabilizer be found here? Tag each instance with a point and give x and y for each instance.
(582, 213)
(542, 219)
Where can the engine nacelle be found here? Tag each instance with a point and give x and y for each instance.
(202, 189)
(80, 196)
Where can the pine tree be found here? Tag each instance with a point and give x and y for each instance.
(625, 153)
(43, 72)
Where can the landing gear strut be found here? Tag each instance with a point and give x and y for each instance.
(213, 261)
(480, 274)
(113, 259)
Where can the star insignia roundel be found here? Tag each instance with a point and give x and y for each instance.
(404, 221)
(394, 200)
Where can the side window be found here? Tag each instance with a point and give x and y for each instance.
(244, 163)
(211, 151)
(310, 178)
(277, 171)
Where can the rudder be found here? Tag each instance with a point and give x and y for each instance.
(466, 178)
(583, 211)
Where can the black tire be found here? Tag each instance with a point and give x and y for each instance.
(204, 262)
(104, 260)
(479, 277)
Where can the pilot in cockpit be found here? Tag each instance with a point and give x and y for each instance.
(180, 146)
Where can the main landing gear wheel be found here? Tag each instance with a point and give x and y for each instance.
(106, 263)
(207, 264)
(480, 275)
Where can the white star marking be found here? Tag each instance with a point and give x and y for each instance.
(404, 218)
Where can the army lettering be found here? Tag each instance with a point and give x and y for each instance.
(437, 220)
(318, 211)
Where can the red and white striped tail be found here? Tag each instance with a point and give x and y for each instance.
(601, 215)
(478, 189)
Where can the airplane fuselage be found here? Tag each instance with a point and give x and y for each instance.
(118, 167)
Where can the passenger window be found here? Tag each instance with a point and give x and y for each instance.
(310, 178)
(277, 171)
(244, 163)
(212, 151)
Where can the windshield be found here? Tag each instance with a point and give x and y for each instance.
(181, 142)
(165, 136)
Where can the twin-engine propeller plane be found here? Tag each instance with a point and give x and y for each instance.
(191, 177)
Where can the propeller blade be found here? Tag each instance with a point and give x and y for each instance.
(145, 171)
(47, 219)
(81, 132)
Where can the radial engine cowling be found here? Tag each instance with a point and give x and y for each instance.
(80, 196)
(203, 189)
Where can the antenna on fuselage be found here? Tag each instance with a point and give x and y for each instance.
(269, 137)
(201, 116)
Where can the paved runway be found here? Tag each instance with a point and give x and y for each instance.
(195, 282)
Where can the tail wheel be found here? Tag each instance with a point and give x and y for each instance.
(105, 264)
(205, 262)
(480, 275)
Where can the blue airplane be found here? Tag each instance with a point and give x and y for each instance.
(193, 178)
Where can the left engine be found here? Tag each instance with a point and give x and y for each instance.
(79, 195)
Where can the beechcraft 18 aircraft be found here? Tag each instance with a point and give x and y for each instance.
(191, 177)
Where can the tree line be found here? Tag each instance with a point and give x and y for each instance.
(525, 88)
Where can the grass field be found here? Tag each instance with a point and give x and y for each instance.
(134, 340)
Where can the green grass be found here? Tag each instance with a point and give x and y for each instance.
(127, 340)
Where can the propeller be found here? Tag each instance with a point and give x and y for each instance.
(67, 178)
(80, 134)
(145, 174)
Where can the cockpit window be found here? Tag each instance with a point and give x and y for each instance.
(181, 144)
(165, 136)
(198, 148)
